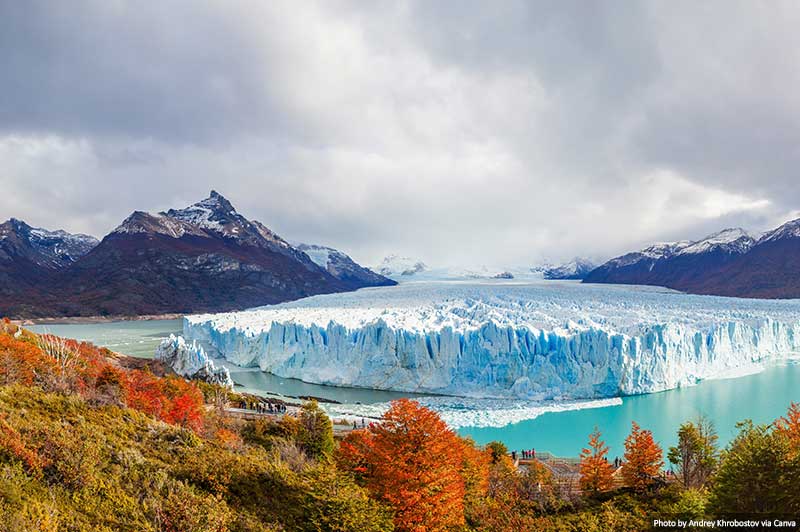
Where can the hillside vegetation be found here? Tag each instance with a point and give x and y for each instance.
(86, 443)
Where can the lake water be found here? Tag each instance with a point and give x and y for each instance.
(134, 338)
(761, 397)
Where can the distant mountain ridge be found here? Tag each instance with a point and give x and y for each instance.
(396, 265)
(30, 256)
(730, 262)
(577, 269)
(205, 257)
(341, 266)
(46, 249)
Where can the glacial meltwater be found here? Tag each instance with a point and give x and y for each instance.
(761, 397)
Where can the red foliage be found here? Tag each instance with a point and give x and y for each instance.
(145, 394)
(184, 404)
(90, 372)
(413, 462)
(11, 441)
(170, 399)
(21, 361)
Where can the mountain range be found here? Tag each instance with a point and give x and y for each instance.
(576, 269)
(728, 263)
(205, 257)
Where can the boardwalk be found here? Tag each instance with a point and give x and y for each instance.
(566, 471)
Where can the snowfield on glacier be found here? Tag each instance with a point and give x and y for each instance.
(539, 341)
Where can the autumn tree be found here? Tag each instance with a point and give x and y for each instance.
(475, 473)
(643, 459)
(789, 426)
(414, 463)
(696, 455)
(596, 472)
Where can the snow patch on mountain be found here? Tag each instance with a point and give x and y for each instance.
(50, 249)
(577, 268)
(146, 223)
(321, 255)
(787, 230)
(735, 240)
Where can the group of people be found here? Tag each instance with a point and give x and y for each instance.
(264, 408)
(529, 455)
(355, 425)
(525, 455)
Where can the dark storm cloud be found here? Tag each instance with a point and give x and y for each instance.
(158, 70)
(466, 132)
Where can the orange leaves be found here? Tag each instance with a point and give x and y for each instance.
(145, 394)
(790, 423)
(170, 399)
(184, 403)
(643, 459)
(21, 361)
(596, 472)
(85, 369)
(12, 443)
(229, 439)
(416, 464)
(789, 426)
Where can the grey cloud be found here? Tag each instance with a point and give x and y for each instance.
(176, 71)
(471, 132)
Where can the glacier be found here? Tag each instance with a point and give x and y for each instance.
(553, 340)
(191, 361)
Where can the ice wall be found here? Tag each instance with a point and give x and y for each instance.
(484, 358)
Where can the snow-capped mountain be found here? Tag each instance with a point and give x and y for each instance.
(203, 257)
(341, 266)
(156, 224)
(730, 262)
(769, 269)
(48, 249)
(405, 269)
(29, 256)
(734, 241)
(789, 230)
(649, 255)
(576, 269)
(396, 265)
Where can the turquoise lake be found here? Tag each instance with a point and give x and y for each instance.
(761, 397)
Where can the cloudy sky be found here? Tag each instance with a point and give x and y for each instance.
(458, 132)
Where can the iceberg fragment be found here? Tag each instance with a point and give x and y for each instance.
(191, 361)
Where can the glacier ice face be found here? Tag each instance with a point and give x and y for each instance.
(191, 361)
(554, 340)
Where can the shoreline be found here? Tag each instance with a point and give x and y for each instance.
(71, 320)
